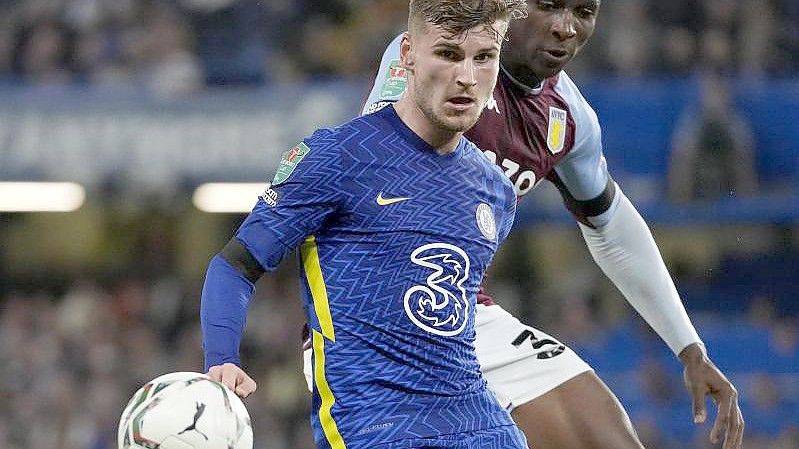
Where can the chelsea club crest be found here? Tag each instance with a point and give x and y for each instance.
(486, 222)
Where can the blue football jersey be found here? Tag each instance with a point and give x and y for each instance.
(394, 240)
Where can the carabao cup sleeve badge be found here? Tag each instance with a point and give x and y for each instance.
(395, 83)
(289, 162)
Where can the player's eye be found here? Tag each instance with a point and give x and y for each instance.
(586, 12)
(485, 57)
(546, 5)
(447, 54)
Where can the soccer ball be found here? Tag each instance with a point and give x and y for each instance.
(184, 411)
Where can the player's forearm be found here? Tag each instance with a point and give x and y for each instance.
(627, 253)
(223, 312)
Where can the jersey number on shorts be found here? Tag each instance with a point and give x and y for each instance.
(547, 348)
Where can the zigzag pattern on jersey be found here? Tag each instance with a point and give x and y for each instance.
(505, 437)
(366, 260)
(375, 162)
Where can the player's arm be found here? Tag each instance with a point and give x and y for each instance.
(622, 245)
(303, 194)
(226, 295)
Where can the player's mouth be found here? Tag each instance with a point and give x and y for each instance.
(556, 54)
(461, 103)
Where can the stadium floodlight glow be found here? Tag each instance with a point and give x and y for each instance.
(41, 196)
(227, 197)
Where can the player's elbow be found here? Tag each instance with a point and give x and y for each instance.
(241, 259)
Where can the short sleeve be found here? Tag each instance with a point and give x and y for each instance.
(584, 171)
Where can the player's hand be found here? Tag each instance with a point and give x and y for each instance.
(703, 378)
(234, 378)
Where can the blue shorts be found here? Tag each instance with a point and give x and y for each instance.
(504, 437)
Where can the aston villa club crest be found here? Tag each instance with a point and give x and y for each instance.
(556, 134)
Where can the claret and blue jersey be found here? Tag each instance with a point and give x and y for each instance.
(394, 240)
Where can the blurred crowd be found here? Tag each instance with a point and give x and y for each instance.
(184, 45)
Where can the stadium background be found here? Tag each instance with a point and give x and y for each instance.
(141, 101)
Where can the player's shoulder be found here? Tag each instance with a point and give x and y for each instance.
(475, 156)
(585, 118)
(325, 145)
(321, 147)
(347, 133)
(390, 80)
(567, 89)
(565, 85)
(344, 145)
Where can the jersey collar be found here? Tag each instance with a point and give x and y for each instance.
(523, 87)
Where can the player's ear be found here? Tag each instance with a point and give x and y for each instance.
(406, 53)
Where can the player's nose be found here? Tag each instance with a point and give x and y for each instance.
(465, 74)
(563, 25)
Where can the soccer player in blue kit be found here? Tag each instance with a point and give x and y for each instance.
(396, 216)
(538, 126)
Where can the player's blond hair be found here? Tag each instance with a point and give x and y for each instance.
(458, 16)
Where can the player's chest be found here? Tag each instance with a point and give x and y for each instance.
(443, 202)
(526, 137)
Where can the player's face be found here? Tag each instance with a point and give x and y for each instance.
(451, 77)
(553, 33)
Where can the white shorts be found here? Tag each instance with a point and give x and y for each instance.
(519, 362)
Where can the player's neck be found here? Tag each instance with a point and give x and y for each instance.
(443, 141)
(523, 75)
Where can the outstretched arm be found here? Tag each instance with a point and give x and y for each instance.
(625, 250)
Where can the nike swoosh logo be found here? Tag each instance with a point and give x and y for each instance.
(386, 201)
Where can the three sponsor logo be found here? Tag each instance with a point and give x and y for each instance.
(440, 306)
